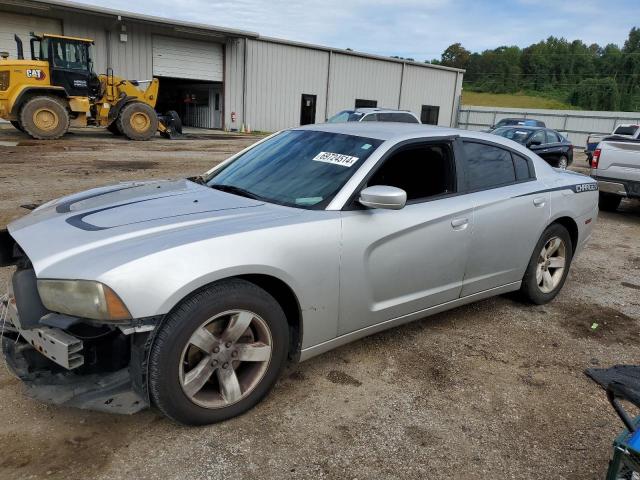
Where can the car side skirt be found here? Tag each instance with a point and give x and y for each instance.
(310, 352)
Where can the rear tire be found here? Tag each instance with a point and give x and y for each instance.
(203, 366)
(45, 117)
(17, 125)
(549, 266)
(137, 121)
(609, 202)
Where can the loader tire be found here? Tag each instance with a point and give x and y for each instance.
(113, 128)
(45, 117)
(17, 125)
(138, 121)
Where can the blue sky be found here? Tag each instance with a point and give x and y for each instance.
(420, 29)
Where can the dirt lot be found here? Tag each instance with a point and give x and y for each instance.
(492, 390)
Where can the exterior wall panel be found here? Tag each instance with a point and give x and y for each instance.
(369, 79)
(233, 83)
(22, 25)
(426, 86)
(277, 76)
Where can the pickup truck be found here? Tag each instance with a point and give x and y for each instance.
(625, 130)
(616, 167)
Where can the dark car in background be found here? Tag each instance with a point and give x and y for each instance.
(547, 143)
(525, 122)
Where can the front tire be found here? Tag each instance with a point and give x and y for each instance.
(137, 121)
(17, 125)
(609, 202)
(549, 266)
(563, 162)
(45, 118)
(218, 353)
(113, 128)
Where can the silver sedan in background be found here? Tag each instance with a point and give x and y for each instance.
(192, 294)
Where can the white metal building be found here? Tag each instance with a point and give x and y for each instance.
(224, 78)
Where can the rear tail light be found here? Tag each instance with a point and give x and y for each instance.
(596, 158)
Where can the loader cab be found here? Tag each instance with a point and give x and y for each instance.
(70, 64)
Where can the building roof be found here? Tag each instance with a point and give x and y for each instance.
(199, 28)
(91, 9)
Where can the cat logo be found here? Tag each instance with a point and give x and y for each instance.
(36, 73)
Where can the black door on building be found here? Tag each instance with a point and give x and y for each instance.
(308, 109)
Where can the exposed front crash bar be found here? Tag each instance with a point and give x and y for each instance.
(111, 392)
(53, 343)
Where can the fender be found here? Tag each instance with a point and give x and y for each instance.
(22, 94)
(115, 110)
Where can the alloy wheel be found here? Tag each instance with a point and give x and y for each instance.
(225, 358)
(552, 261)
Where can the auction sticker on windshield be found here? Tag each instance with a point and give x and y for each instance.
(336, 159)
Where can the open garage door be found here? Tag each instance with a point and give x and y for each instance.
(188, 59)
(22, 25)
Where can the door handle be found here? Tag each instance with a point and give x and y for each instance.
(539, 202)
(459, 223)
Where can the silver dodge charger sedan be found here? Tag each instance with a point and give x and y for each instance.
(192, 294)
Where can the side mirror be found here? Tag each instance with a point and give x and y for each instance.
(383, 196)
(534, 143)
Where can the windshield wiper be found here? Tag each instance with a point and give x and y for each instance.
(236, 191)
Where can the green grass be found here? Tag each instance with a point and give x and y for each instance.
(513, 100)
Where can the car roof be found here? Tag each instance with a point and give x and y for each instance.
(375, 110)
(382, 130)
(523, 127)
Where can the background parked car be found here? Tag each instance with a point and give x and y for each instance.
(374, 115)
(616, 166)
(549, 144)
(626, 130)
(525, 122)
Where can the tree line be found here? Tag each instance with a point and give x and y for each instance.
(591, 77)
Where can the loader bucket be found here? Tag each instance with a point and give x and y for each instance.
(170, 125)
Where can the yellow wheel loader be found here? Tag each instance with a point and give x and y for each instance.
(57, 89)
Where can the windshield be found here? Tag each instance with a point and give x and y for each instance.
(298, 168)
(69, 55)
(346, 116)
(519, 135)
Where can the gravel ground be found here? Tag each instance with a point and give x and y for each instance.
(490, 390)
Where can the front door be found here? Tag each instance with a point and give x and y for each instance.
(398, 262)
(70, 66)
(308, 109)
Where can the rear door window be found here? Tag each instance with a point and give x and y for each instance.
(487, 166)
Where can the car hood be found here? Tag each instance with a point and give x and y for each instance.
(129, 214)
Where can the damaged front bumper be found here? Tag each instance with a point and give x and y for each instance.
(60, 367)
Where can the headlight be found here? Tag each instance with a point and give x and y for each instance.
(82, 298)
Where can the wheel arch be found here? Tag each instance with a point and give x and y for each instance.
(572, 227)
(28, 92)
(278, 289)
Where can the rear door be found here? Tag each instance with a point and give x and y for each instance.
(510, 210)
